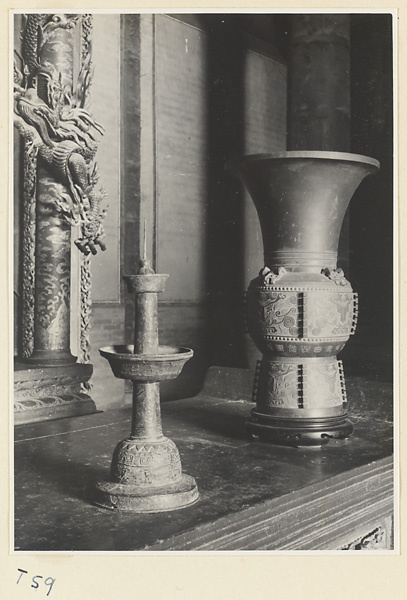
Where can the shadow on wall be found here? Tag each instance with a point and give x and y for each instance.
(371, 210)
(225, 224)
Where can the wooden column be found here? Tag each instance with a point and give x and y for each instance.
(319, 83)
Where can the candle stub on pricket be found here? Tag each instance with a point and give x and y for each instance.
(146, 473)
(146, 284)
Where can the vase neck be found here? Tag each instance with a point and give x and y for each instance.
(294, 260)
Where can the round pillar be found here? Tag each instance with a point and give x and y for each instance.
(318, 116)
(53, 232)
(52, 280)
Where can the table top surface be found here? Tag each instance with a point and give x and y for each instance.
(57, 464)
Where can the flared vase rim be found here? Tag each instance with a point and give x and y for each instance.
(302, 154)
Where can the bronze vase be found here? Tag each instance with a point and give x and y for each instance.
(301, 309)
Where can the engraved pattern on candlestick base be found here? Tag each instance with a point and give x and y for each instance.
(146, 463)
(133, 498)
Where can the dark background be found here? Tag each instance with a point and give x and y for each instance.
(213, 326)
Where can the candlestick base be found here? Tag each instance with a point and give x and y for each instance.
(134, 498)
(146, 476)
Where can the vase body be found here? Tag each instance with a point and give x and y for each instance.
(301, 309)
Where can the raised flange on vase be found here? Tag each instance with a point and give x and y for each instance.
(301, 309)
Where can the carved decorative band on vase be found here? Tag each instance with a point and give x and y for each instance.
(301, 309)
(310, 385)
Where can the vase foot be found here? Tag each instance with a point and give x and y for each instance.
(299, 432)
(134, 498)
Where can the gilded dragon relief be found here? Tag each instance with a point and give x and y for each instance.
(60, 140)
(58, 131)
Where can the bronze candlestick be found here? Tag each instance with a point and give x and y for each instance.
(146, 473)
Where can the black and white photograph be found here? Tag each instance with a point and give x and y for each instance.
(204, 284)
